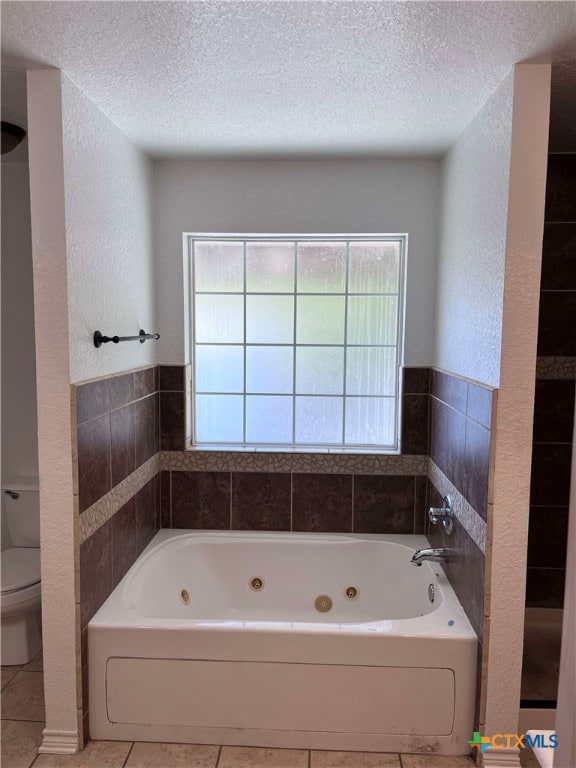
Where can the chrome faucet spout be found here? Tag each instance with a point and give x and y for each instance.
(432, 554)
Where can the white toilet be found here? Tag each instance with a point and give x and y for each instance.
(20, 598)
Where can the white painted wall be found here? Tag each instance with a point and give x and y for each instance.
(108, 187)
(19, 422)
(475, 176)
(512, 448)
(303, 197)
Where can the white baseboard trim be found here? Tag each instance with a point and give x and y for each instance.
(59, 742)
(501, 758)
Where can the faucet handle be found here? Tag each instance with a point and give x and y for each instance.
(443, 515)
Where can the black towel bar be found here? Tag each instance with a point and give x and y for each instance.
(99, 339)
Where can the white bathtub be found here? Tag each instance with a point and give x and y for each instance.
(387, 670)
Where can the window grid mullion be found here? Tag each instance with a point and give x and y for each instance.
(288, 293)
(285, 344)
(244, 347)
(294, 340)
(345, 346)
(194, 368)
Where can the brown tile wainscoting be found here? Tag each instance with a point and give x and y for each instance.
(460, 424)
(550, 492)
(107, 555)
(174, 397)
(117, 435)
(283, 501)
(466, 568)
(466, 573)
(555, 390)
(117, 430)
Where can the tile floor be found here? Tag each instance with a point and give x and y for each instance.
(23, 721)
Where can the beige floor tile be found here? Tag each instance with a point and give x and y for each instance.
(20, 742)
(541, 660)
(7, 675)
(260, 757)
(36, 664)
(98, 754)
(146, 755)
(23, 697)
(528, 759)
(436, 761)
(321, 759)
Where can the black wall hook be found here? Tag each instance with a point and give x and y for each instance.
(99, 339)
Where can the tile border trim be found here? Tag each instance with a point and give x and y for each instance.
(556, 368)
(255, 461)
(102, 510)
(470, 520)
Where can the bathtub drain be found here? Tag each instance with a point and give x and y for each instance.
(256, 584)
(323, 603)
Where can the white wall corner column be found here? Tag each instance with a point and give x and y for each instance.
(57, 521)
(508, 525)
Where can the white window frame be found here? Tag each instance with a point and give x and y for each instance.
(189, 306)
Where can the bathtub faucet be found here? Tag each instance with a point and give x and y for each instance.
(434, 554)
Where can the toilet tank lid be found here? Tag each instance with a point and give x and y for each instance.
(20, 568)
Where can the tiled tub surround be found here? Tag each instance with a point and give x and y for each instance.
(368, 493)
(286, 501)
(106, 556)
(460, 423)
(116, 487)
(123, 421)
(174, 403)
(117, 430)
(555, 387)
(461, 419)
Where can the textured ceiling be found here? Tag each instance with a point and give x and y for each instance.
(289, 78)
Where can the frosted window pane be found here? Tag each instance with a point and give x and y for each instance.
(269, 369)
(370, 371)
(219, 369)
(372, 319)
(219, 418)
(269, 319)
(319, 370)
(270, 267)
(321, 267)
(369, 421)
(268, 419)
(320, 320)
(219, 319)
(319, 420)
(219, 266)
(373, 267)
